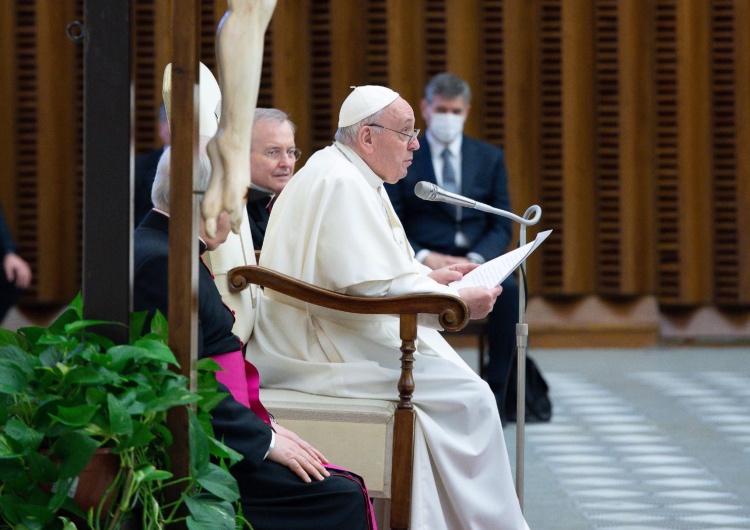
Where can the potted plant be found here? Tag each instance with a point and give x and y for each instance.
(67, 394)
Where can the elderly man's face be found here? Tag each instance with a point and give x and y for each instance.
(272, 155)
(393, 148)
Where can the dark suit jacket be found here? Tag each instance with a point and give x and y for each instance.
(8, 292)
(7, 245)
(432, 226)
(258, 215)
(145, 171)
(236, 424)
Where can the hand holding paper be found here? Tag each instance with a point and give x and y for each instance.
(495, 271)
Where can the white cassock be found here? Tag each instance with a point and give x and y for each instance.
(333, 226)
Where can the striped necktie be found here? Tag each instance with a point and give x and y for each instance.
(449, 179)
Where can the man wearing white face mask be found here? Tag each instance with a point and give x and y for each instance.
(442, 234)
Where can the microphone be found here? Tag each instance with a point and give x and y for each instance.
(432, 192)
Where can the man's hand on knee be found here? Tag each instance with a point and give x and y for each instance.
(289, 453)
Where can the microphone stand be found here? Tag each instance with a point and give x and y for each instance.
(431, 192)
(530, 217)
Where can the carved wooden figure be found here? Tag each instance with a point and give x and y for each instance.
(239, 49)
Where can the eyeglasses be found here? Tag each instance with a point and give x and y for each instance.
(410, 136)
(275, 153)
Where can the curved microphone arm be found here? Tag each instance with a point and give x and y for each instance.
(432, 192)
(530, 217)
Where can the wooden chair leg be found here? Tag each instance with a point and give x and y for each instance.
(403, 430)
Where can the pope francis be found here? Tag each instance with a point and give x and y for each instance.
(333, 226)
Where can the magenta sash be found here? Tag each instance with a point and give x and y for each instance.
(337, 471)
(242, 380)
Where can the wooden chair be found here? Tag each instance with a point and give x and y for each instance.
(399, 419)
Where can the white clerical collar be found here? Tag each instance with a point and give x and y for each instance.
(349, 153)
(437, 147)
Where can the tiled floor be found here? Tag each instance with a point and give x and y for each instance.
(640, 440)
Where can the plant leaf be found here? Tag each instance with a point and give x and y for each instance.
(8, 337)
(74, 449)
(173, 398)
(157, 350)
(207, 513)
(6, 449)
(12, 380)
(220, 482)
(83, 375)
(199, 448)
(75, 416)
(120, 421)
(159, 325)
(147, 473)
(23, 434)
(34, 516)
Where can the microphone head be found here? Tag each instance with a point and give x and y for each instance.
(426, 191)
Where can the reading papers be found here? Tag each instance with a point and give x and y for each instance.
(495, 271)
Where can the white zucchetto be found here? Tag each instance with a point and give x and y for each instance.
(364, 101)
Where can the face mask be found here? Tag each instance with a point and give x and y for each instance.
(446, 127)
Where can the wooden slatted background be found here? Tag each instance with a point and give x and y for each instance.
(595, 102)
(26, 146)
(493, 125)
(608, 168)
(550, 174)
(668, 285)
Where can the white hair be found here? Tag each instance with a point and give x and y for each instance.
(348, 135)
(160, 189)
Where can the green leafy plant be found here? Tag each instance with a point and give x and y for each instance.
(66, 392)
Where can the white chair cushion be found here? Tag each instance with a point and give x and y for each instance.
(356, 434)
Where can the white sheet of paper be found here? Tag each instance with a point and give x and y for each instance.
(495, 271)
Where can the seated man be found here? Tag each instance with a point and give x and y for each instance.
(283, 481)
(272, 158)
(334, 227)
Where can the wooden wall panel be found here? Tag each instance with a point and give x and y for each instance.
(668, 262)
(521, 113)
(291, 69)
(551, 146)
(695, 152)
(492, 69)
(8, 92)
(465, 55)
(348, 55)
(740, 294)
(24, 207)
(578, 193)
(729, 60)
(146, 75)
(407, 51)
(607, 141)
(48, 135)
(321, 74)
(637, 151)
(625, 120)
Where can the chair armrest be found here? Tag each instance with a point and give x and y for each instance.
(452, 312)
